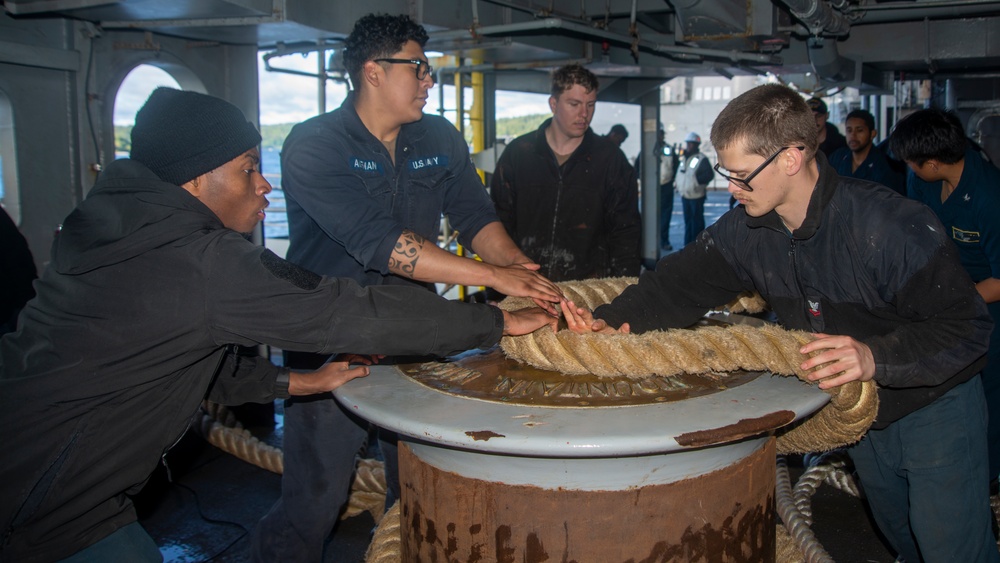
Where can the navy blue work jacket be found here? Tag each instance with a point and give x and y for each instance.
(348, 204)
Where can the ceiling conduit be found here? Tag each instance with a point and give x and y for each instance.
(833, 18)
(546, 24)
(825, 24)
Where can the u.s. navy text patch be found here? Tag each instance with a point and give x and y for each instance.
(428, 162)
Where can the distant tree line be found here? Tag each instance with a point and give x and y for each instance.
(511, 127)
(274, 135)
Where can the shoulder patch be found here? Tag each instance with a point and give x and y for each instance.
(283, 269)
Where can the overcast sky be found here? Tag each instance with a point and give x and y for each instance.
(286, 98)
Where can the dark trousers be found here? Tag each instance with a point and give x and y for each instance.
(694, 218)
(320, 444)
(666, 213)
(925, 477)
(991, 387)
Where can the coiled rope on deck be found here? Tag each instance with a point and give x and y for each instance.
(843, 421)
(387, 542)
(219, 426)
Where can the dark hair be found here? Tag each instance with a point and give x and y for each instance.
(620, 129)
(929, 133)
(566, 76)
(863, 115)
(378, 36)
(817, 105)
(765, 119)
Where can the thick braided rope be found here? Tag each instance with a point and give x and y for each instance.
(219, 426)
(785, 550)
(367, 490)
(830, 468)
(795, 523)
(843, 421)
(387, 542)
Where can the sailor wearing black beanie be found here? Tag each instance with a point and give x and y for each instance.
(181, 135)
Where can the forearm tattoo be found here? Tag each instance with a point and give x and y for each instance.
(406, 253)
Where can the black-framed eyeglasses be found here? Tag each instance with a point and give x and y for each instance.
(424, 68)
(744, 183)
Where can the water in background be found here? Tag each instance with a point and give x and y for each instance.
(276, 221)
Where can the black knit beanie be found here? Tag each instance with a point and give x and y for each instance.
(181, 135)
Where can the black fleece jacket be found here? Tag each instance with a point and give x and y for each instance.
(579, 220)
(135, 320)
(866, 263)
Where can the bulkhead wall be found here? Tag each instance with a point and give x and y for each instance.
(61, 78)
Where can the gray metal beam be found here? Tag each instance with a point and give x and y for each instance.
(41, 57)
(927, 43)
(21, 7)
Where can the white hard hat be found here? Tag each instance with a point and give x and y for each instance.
(692, 138)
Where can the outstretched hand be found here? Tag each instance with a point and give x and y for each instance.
(848, 360)
(581, 321)
(330, 375)
(525, 321)
(523, 280)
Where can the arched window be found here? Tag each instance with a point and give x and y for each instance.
(136, 87)
(8, 164)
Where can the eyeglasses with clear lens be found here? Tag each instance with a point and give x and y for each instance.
(744, 183)
(424, 68)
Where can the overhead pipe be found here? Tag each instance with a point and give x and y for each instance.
(892, 12)
(836, 16)
(819, 17)
(587, 31)
(822, 20)
(282, 50)
(536, 13)
(827, 62)
(494, 67)
(633, 30)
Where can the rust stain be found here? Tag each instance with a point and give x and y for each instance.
(742, 429)
(742, 537)
(483, 435)
(467, 523)
(503, 550)
(431, 535)
(452, 545)
(534, 551)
